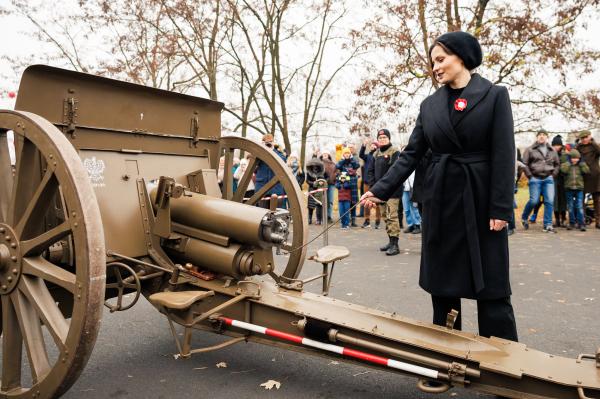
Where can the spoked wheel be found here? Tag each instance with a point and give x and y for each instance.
(52, 260)
(283, 176)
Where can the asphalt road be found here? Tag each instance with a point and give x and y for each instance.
(556, 295)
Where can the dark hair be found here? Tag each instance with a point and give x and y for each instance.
(443, 46)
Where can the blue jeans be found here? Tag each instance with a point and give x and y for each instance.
(330, 193)
(412, 213)
(343, 207)
(539, 187)
(575, 206)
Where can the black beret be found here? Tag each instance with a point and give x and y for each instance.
(464, 45)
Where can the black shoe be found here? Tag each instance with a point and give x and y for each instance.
(309, 221)
(582, 227)
(525, 224)
(393, 249)
(549, 229)
(386, 246)
(511, 232)
(329, 220)
(353, 224)
(570, 227)
(417, 229)
(378, 222)
(366, 224)
(409, 229)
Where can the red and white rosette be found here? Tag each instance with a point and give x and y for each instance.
(460, 104)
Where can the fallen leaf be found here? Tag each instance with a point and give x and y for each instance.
(589, 299)
(271, 384)
(221, 365)
(349, 294)
(561, 300)
(176, 356)
(547, 273)
(532, 330)
(200, 368)
(333, 362)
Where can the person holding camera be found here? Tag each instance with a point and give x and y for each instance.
(350, 165)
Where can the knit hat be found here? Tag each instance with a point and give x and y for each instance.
(462, 44)
(557, 140)
(384, 132)
(575, 154)
(346, 150)
(542, 131)
(584, 133)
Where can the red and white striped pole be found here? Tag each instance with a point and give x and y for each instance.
(340, 350)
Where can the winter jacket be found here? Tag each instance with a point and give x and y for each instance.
(574, 174)
(344, 188)
(368, 159)
(538, 165)
(350, 166)
(315, 172)
(382, 162)
(590, 154)
(264, 174)
(330, 170)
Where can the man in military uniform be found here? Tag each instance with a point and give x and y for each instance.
(384, 158)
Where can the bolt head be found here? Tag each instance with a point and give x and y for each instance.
(15, 271)
(10, 279)
(13, 258)
(4, 287)
(7, 238)
(13, 245)
(2, 230)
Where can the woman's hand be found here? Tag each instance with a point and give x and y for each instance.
(368, 200)
(497, 224)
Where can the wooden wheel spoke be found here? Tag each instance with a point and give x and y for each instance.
(6, 177)
(25, 177)
(263, 190)
(12, 344)
(38, 204)
(228, 174)
(37, 245)
(40, 267)
(242, 187)
(37, 293)
(31, 328)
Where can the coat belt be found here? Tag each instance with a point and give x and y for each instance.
(434, 235)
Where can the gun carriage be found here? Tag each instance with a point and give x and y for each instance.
(112, 190)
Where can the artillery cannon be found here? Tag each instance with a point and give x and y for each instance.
(113, 189)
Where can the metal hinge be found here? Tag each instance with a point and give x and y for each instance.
(457, 373)
(195, 129)
(70, 114)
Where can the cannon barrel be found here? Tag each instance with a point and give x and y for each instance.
(244, 224)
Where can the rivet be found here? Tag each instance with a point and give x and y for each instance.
(50, 156)
(15, 271)
(2, 230)
(75, 224)
(13, 258)
(7, 238)
(9, 279)
(74, 214)
(4, 287)
(78, 296)
(13, 245)
(579, 382)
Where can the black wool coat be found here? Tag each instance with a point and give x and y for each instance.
(470, 180)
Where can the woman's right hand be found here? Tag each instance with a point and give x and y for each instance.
(368, 200)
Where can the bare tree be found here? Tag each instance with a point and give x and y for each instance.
(528, 46)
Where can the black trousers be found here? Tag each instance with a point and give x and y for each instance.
(495, 316)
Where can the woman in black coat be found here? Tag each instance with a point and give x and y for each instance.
(468, 190)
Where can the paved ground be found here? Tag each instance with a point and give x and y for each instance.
(556, 285)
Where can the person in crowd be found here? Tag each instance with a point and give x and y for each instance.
(330, 175)
(560, 196)
(239, 172)
(221, 172)
(368, 158)
(384, 158)
(574, 170)
(264, 174)
(590, 153)
(236, 165)
(413, 218)
(417, 192)
(359, 178)
(349, 165)
(468, 190)
(541, 167)
(519, 170)
(344, 187)
(294, 164)
(315, 179)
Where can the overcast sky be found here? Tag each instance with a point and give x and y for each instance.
(16, 41)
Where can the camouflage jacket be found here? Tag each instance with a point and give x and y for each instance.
(574, 174)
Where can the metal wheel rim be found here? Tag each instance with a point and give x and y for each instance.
(284, 176)
(31, 299)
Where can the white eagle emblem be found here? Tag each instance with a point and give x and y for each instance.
(95, 168)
